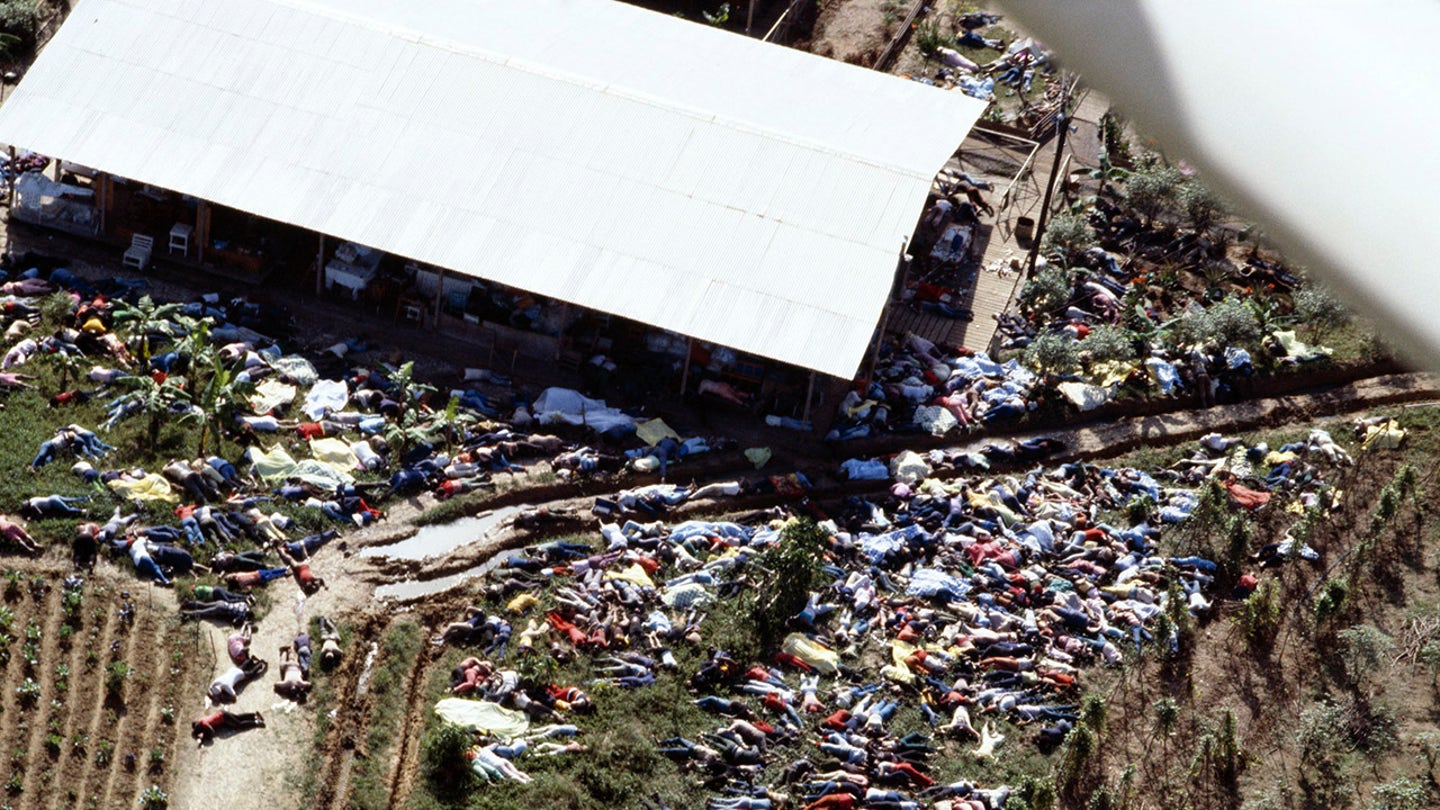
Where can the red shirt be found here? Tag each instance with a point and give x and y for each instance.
(311, 430)
(212, 722)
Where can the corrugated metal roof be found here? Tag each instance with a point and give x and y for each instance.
(587, 150)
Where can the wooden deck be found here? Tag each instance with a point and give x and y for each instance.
(1017, 170)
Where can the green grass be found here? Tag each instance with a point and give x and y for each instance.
(322, 700)
(399, 648)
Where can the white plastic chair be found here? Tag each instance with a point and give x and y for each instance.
(138, 254)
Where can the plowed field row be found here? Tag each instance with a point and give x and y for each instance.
(83, 720)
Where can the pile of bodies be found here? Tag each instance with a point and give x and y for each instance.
(920, 386)
(953, 608)
(1103, 292)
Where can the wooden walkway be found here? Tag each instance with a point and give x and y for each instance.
(1017, 171)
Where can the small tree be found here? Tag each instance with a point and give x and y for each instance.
(155, 400)
(1107, 343)
(145, 319)
(1200, 205)
(789, 571)
(1068, 236)
(1053, 354)
(445, 765)
(1151, 190)
(1362, 648)
(1317, 309)
(1047, 292)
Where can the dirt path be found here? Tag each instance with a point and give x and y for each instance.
(260, 768)
(856, 31)
(248, 771)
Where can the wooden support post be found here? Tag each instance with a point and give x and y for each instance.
(439, 298)
(560, 341)
(809, 399)
(749, 17)
(99, 184)
(320, 266)
(1063, 122)
(685, 371)
(202, 229)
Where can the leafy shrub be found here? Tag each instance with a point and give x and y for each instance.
(1047, 292)
(115, 676)
(1362, 648)
(1199, 203)
(1227, 322)
(1400, 794)
(153, 798)
(1106, 343)
(444, 750)
(1067, 235)
(1053, 353)
(1152, 189)
(20, 17)
(1316, 307)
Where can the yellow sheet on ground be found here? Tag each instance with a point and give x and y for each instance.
(635, 575)
(1385, 436)
(334, 453)
(270, 395)
(272, 463)
(653, 431)
(483, 716)
(897, 670)
(153, 487)
(1298, 349)
(813, 653)
(1111, 372)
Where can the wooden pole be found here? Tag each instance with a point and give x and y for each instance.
(809, 398)
(99, 184)
(685, 372)
(564, 324)
(1062, 121)
(320, 266)
(439, 297)
(202, 229)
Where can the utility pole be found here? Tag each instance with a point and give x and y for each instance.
(1063, 122)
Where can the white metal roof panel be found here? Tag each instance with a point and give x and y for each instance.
(586, 150)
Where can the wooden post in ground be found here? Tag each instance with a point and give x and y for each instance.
(685, 370)
(439, 297)
(1062, 121)
(202, 229)
(809, 398)
(320, 266)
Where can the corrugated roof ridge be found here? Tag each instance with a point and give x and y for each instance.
(457, 47)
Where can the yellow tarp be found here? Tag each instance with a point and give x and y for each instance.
(813, 653)
(653, 431)
(153, 487)
(635, 575)
(1385, 436)
(483, 716)
(273, 463)
(334, 453)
